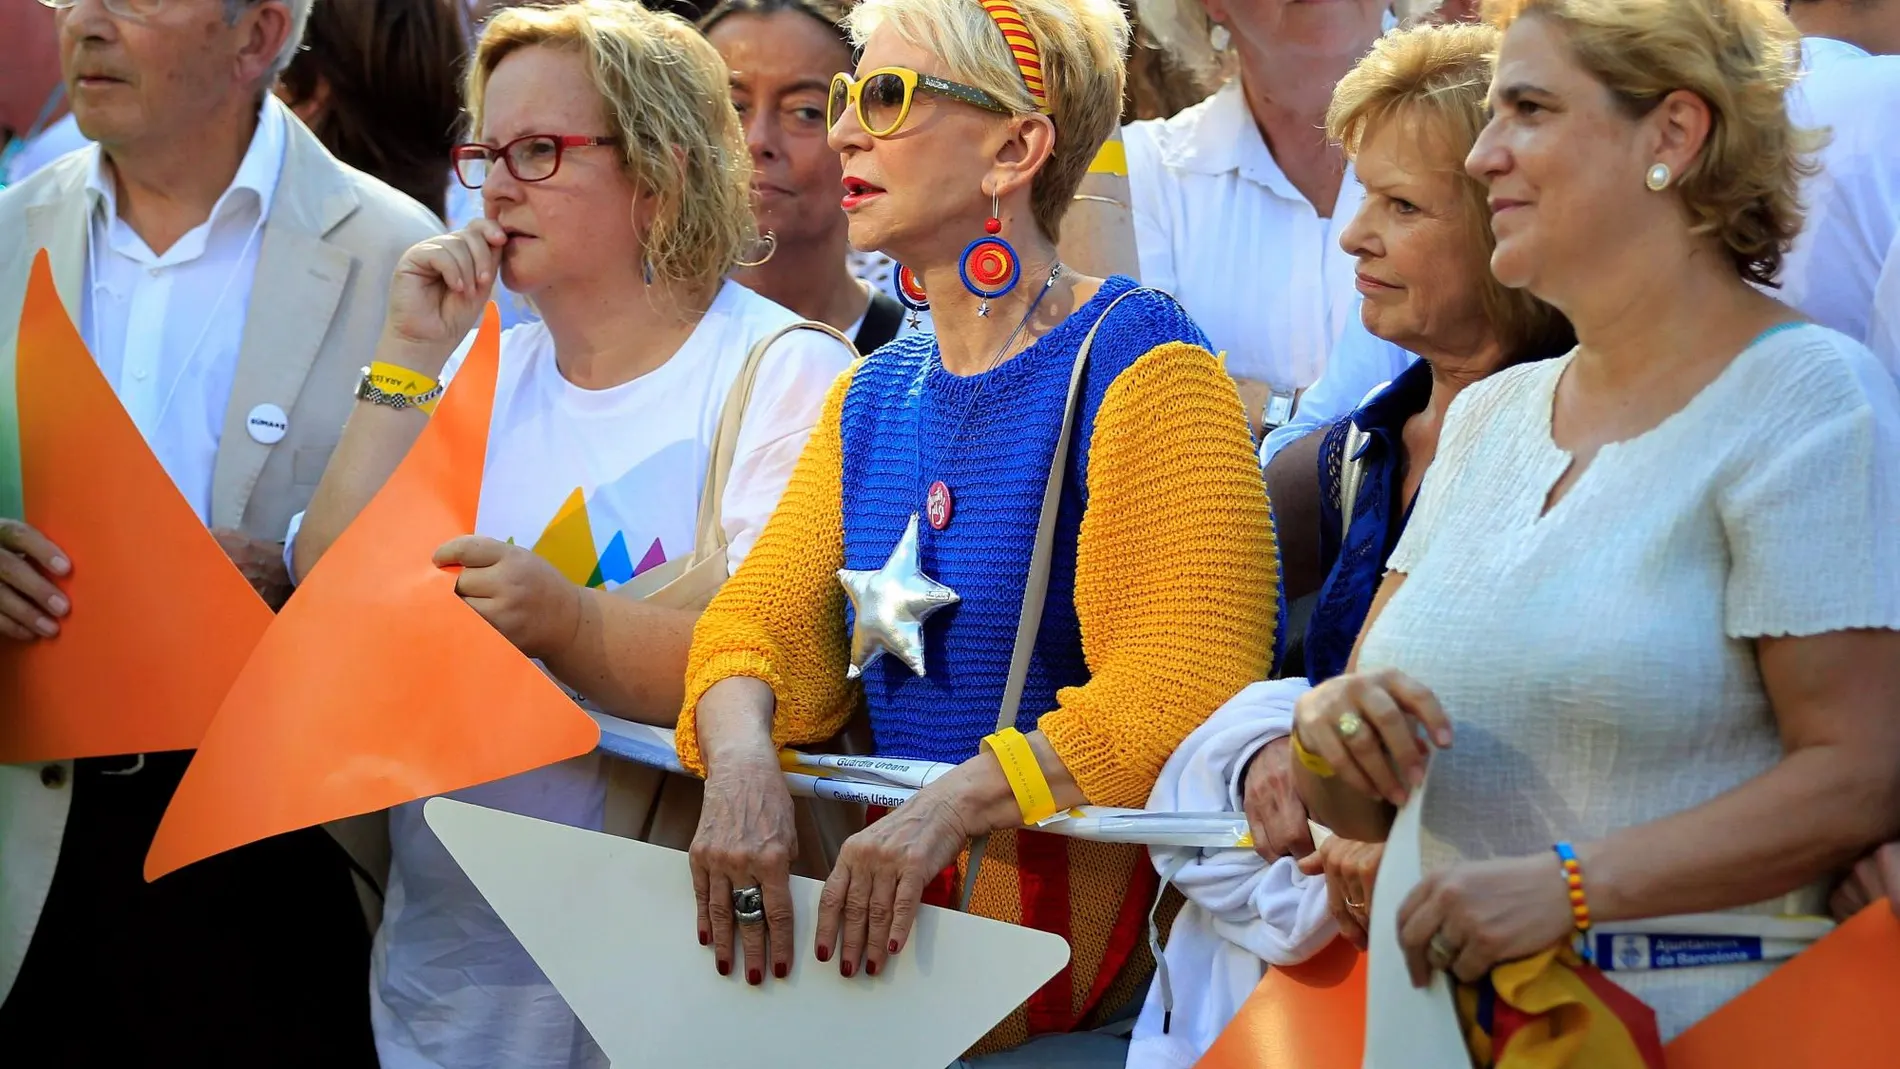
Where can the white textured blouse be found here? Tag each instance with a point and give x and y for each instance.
(1598, 662)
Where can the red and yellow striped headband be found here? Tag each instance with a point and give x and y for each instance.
(1022, 45)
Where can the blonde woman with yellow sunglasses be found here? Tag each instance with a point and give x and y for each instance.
(1013, 556)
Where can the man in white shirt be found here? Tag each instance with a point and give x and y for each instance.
(1851, 87)
(229, 276)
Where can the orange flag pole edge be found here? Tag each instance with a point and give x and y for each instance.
(161, 621)
(376, 685)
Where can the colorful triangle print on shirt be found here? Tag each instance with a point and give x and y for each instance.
(377, 685)
(568, 543)
(161, 621)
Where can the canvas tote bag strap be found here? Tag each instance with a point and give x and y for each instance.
(645, 803)
(1036, 584)
(690, 581)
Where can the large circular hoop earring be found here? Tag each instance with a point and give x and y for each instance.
(989, 267)
(910, 294)
(770, 241)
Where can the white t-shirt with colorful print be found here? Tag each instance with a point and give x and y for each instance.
(604, 484)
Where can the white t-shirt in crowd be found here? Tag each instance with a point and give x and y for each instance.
(1219, 226)
(1598, 661)
(1853, 203)
(604, 484)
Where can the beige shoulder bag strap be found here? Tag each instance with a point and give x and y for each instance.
(689, 582)
(1036, 584)
(663, 808)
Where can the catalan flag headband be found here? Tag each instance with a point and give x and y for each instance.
(1022, 45)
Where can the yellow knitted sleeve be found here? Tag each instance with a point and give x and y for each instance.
(1176, 576)
(780, 618)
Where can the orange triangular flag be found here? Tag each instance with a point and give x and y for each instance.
(1831, 1005)
(161, 620)
(1306, 1016)
(376, 685)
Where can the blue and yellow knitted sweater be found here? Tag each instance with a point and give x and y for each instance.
(1161, 605)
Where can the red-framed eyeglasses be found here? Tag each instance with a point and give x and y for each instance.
(533, 158)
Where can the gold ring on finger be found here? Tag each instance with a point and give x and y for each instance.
(1440, 953)
(1350, 724)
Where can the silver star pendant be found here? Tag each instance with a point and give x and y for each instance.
(891, 605)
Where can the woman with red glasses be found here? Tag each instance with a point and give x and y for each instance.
(1024, 548)
(615, 185)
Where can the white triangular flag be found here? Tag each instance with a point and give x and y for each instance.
(612, 923)
(1411, 1026)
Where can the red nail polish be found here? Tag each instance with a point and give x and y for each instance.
(779, 970)
(725, 967)
(754, 977)
(870, 968)
(704, 937)
(845, 968)
(824, 952)
(893, 946)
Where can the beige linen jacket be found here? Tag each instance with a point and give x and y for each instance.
(330, 245)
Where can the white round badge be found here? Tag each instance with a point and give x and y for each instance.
(268, 424)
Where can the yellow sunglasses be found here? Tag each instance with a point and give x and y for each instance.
(882, 98)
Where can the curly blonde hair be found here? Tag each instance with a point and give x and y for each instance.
(1739, 56)
(1083, 44)
(1434, 80)
(667, 95)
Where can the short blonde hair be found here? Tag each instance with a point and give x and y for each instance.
(1434, 80)
(667, 96)
(1739, 56)
(1084, 72)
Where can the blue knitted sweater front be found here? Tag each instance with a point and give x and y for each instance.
(907, 423)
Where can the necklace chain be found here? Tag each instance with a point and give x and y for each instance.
(1055, 272)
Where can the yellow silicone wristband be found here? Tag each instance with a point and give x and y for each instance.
(1033, 795)
(1111, 158)
(1312, 762)
(411, 384)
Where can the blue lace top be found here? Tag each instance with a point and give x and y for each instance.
(1353, 569)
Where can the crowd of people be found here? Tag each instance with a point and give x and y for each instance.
(1195, 405)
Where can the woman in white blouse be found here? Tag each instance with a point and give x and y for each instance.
(616, 186)
(1239, 200)
(1649, 588)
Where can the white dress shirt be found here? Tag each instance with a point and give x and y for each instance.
(1361, 364)
(166, 327)
(1853, 204)
(1219, 225)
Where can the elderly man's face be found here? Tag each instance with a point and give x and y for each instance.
(167, 72)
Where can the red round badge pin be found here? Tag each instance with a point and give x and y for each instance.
(938, 506)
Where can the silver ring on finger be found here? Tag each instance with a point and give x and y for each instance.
(1440, 953)
(1350, 724)
(748, 905)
